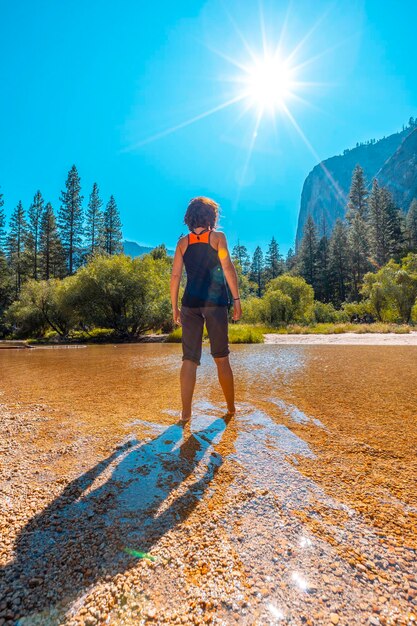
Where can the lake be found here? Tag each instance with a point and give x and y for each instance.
(302, 507)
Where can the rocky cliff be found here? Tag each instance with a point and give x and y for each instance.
(392, 160)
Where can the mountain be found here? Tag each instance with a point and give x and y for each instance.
(392, 160)
(134, 249)
(399, 174)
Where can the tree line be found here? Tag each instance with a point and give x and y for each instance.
(66, 275)
(373, 232)
(41, 244)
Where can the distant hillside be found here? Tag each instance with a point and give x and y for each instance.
(393, 160)
(134, 249)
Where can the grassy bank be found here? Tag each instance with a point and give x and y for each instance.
(238, 333)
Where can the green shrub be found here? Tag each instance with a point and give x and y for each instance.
(252, 310)
(277, 308)
(127, 295)
(44, 304)
(414, 314)
(324, 312)
(356, 310)
(392, 291)
(300, 293)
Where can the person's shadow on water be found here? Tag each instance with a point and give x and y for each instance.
(87, 533)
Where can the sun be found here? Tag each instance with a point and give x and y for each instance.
(268, 83)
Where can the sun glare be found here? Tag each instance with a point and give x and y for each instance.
(267, 79)
(269, 82)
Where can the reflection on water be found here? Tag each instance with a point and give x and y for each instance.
(295, 413)
(115, 384)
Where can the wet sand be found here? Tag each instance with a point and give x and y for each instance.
(300, 510)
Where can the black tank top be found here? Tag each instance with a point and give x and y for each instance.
(206, 285)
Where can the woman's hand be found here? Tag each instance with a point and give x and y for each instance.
(176, 316)
(237, 310)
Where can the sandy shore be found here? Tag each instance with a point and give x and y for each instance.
(346, 339)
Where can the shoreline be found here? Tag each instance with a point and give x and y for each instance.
(340, 339)
(344, 339)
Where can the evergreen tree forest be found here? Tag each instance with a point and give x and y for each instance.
(41, 243)
(374, 233)
(63, 272)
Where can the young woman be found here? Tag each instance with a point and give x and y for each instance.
(207, 263)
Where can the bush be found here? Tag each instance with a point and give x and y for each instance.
(414, 314)
(392, 291)
(277, 308)
(130, 296)
(300, 293)
(356, 312)
(324, 313)
(252, 310)
(44, 304)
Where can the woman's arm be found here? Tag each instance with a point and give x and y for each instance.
(176, 274)
(230, 275)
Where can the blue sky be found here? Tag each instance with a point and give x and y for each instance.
(99, 83)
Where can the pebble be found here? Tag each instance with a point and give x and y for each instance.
(199, 562)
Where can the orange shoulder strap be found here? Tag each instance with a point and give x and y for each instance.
(203, 238)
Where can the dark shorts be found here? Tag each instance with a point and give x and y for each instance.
(192, 322)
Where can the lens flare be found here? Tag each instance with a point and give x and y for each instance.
(269, 83)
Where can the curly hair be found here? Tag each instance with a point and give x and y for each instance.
(202, 211)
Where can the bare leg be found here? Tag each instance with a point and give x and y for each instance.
(187, 379)
(225, 374)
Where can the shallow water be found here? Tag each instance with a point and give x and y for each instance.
(315, 475)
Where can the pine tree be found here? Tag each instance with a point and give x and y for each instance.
(290, 260)
(396, 226)
(2, 225)
(307, 257)
(70, 220)
(241, 255)
(339, 258)
(15, 246)
(6, 285)
(412, 227)
(322, 285)
(113, 242)
(34, 225)
(358, 235)
(273, 261)
(377, 220)
(385, 226)
(52, 253)
(257, 270)
(95, 222)
(358, 195)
